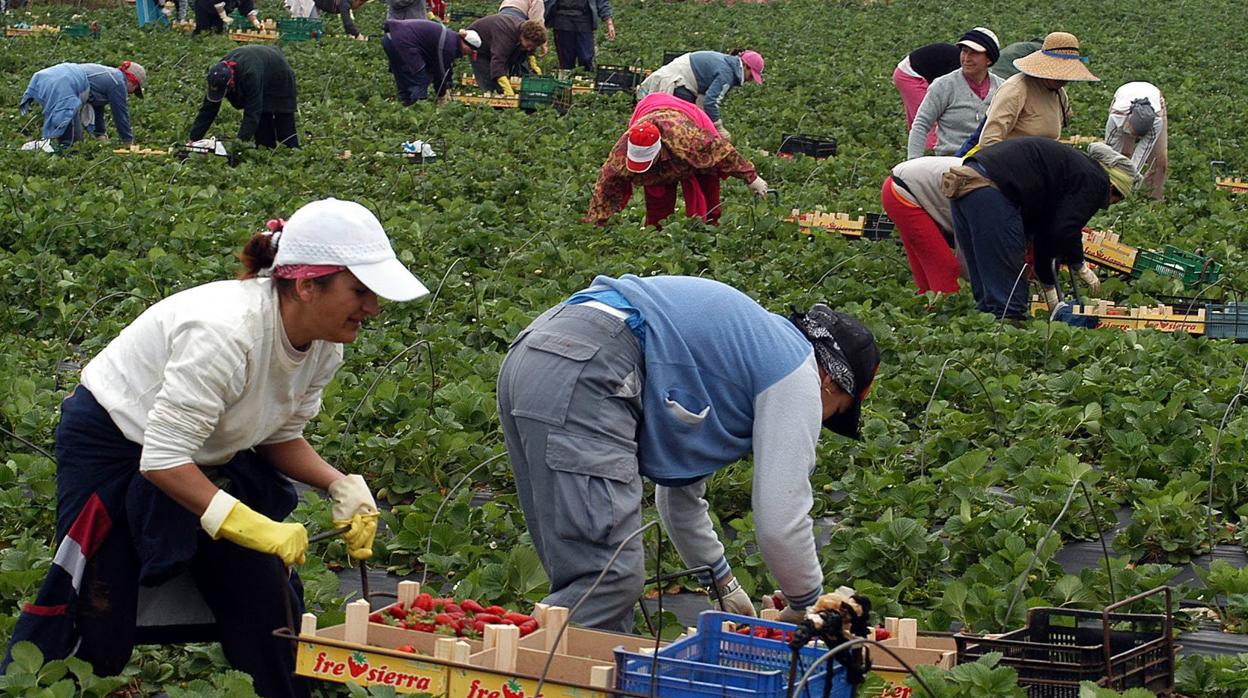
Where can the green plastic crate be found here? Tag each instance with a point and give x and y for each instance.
(1192, 268)
(299, 29)
(538, 91)
(80, 31)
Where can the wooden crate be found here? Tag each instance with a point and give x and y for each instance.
(1108, 251)
(1078, 140)
(134, 149)
(32, 30)
(482, 100)
(501, 664)
(936, 649)
(1233, 185)
(830, 222)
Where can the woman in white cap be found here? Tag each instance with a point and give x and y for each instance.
(174, 452)
(669, 141)
(1137, 127)
(956, 102)
(1034, 102)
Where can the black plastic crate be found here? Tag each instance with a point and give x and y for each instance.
(805, 144)
(878, 227)
(609, 79)
(1060, 647)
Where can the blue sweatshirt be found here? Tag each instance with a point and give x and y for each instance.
(61, 90)
(108, 86)
(716, 73)
(724, 378)
(710, 350)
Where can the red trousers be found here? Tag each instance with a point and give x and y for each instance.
(931, 260)
(701, 192)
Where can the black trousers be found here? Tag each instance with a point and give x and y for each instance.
(277, 128)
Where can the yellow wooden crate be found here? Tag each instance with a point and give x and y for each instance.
(1106, 249)
(831, 222)
(482, 100)
(1235, 186)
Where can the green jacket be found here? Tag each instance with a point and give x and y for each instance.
(1004, 67)
(263, 83)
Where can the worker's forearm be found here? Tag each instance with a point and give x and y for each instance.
(186, 484)
(297, 460)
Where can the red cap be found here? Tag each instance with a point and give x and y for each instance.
(644, 143)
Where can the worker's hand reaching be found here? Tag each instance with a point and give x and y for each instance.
(759, 186)
(228, 518)
(788, 614)
(254, 19)
(354, 506)
(723, 132)
(735, 599)
(533, 66)
(1087, 276)
(1050, 297)
(504, 84)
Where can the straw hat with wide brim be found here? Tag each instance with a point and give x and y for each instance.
(1058, 59)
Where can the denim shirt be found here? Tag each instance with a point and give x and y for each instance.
(716, 73)
(61, 90)
(108, 87)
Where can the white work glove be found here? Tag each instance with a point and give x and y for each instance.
(225, 19)
(723, 132)
(354, 506)
(1088, 277)
(1050, 296)
(168, 9)
(759, 186)
(254, 19)
(788, 614)
(736, 600)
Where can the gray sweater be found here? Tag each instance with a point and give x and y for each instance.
(954, 108)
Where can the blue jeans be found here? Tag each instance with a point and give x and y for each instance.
(573, 47)
(412, 86)
(989, 231)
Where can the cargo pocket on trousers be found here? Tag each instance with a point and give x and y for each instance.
(595, 488)
(549, 367)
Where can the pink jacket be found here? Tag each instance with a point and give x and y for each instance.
(661, 100)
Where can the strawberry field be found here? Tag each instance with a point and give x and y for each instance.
(977, 434)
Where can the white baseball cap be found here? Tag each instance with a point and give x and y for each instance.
(344, 233)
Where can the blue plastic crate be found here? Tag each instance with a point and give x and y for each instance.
(715, 662)
(1226, 321)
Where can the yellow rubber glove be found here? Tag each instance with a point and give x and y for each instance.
(359, 538)
(504, 83)
(537, 70)
(228, 518)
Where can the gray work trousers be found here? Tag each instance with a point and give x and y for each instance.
(569, 398)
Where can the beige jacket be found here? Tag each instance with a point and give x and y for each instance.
(534, 9)
(1024, 107)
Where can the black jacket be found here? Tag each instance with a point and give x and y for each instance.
(263, 83)
(1057, 188)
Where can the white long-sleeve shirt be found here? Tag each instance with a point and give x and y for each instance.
(1116, 124)
(208, 372)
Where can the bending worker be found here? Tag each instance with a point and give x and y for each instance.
(215, 16)
(422, 53)
(669, 141)
(66, 90)
(506, 42)
(704, 78)
(258, 80)
(1137, 127)
(717, 377)
(345, 9)
(1030, 190)
(174, 452)
(913, 200)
